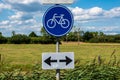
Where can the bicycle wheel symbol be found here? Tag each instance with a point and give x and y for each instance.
(51, 23)
(65, 23)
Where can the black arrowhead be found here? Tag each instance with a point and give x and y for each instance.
(68, 60)
(48, 61)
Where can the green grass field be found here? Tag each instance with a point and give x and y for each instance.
(27, 55)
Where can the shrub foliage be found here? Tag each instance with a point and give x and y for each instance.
(20, 39)
(45, 38)
(94, 70)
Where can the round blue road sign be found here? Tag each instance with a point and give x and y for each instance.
(58, 20)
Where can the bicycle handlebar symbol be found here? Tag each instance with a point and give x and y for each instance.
(64, 23)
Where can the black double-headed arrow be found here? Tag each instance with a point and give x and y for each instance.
(49, 61)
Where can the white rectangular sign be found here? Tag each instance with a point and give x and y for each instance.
(61, 60)
(57, 1)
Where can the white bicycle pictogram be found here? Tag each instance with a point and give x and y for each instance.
(64, 23)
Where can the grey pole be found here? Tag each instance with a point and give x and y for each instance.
(57, 70)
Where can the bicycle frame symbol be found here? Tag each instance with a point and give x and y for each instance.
(64, 23)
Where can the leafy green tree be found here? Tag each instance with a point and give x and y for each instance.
(3, 40)
(0, 33)
(13, 33)
(46, 38)
(101, 34)
(95, 34)
(72, 36)
(43, 32)
(87, 36)
(32, 34)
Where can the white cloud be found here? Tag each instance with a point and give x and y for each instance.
(86, 14)
(95, 11)
(4, 22)
(104, 29)
(4, 6)
(30, 21)
(77, 11)
(17, 15)
(115, 12)
(23, 1)
(26, 5)
(110, 28)
(111, 33)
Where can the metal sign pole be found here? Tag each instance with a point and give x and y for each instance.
(53, 28)
(57, 50)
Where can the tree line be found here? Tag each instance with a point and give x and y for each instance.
(45, 38)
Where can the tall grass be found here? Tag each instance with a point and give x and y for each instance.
(96, 69)
(92, 62)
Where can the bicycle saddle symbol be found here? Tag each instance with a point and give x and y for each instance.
(64, 23)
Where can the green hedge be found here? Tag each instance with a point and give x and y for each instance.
(3, 40)
(19, 39)
(43, 40)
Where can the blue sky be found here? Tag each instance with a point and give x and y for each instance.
(105, 4)
(24, 16)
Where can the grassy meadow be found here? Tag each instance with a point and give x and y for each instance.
(26, 55)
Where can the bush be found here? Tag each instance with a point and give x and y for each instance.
(87, 36)
(20, 39)
(43, 40)
(35, 40)
(117, 41)
(3, 40)
(94, 40)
